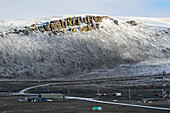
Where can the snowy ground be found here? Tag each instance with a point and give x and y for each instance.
(115, 48)
(160, 22)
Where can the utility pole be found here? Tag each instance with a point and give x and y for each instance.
(48, 90)
(68, 92)
(129, 94)
(97, 91)
(168, 105)
(164, 85)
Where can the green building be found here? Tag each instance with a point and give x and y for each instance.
(52, 96)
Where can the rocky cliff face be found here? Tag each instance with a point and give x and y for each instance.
(67, 46)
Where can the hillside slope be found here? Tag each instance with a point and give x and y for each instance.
(47, 55)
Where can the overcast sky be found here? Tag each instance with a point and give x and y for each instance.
(19, 9)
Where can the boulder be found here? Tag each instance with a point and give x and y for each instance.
(19, 31)
(73, 30)
(25, 32)
(52, 25)
(84, 29)
(88, 19)
(96, 19)
(93, 26)
(100, 18)
(81, 19)
(74, 21)
(81, 30)
(84, 20)
(98, 26)
(59, 27)
(63, 31)
(55, 32)
(78, 21)
(132, 22)
(106, 17)
(60, 23)
(47, 27)
(33, 25)
(69, 23)
(53, 28)
(41, 29)
(55, 21)
(49, 34)
(36, 28)
(65, 24)
(116, 22)
(1, 34)
(89, 28)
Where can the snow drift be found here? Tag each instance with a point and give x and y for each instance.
(43, 56)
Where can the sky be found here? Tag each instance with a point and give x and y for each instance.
(20, 9)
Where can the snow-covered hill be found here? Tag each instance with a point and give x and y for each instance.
(68, 53)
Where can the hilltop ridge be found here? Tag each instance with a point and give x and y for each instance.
(67, 46)
(65, 25)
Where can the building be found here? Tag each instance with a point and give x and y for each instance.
(52, 96)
